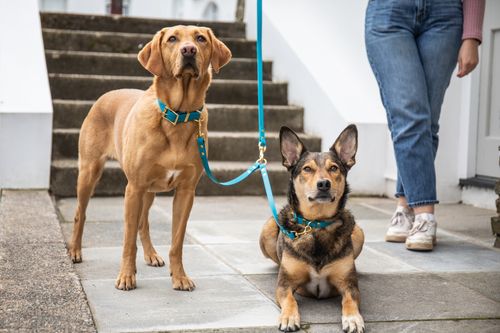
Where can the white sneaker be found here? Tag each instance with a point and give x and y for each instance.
(401, 223)
(422, 236)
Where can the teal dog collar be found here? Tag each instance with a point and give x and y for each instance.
(178, 117)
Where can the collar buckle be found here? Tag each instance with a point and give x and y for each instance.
(173, 122)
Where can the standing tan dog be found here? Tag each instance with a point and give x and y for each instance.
(319, 262)
(155, 154)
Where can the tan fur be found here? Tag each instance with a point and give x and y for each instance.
(155, 155)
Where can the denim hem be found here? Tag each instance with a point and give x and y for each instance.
(399, 194)
(422, 203)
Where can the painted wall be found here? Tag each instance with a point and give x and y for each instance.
(25, 102)
(320, 51)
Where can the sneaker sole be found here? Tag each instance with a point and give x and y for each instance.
(395, 239)
(421, 246)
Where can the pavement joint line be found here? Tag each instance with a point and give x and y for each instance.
(382, 254)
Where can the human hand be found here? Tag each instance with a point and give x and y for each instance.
(468, 57)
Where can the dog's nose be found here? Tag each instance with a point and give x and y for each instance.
(188, 50)
(323, 185)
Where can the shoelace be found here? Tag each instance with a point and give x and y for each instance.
(399, 218)
(420, 225)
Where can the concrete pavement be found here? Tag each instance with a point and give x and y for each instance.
(456, 287)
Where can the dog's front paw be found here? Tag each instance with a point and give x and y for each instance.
(75, 255)
(125, 281)
(289, 321)
(182, 283)
(153, 259)
(353, 324)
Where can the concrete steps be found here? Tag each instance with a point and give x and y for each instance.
(64, 173)
(90, 55)
(71, 113)
(90, 87)
(122, 42)
(224, 146)
(104, 63)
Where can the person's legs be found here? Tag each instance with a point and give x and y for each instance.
(393, 53)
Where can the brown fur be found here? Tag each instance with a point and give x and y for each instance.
(155, 155)
(319, 263)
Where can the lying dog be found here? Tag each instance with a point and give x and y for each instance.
(156, 147)
(319, 261)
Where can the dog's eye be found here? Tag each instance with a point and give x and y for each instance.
(334, 168)
(201, 39)
(307, 169)
(172, 39)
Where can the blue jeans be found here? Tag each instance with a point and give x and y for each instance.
(412, 47)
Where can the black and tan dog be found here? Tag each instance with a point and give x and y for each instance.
(319, 261)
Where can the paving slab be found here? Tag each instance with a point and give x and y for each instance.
(370, 261)
(218, 302)
(109, 234)
(396, 297)
(245, 258)
(434, 326)
(225, 231)
(104, 263)
(39, 289)
(106, 209)
(486, 283)
(447, 256)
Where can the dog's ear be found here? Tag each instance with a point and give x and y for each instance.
(346, 146)
(150, 56)
(220, 52)
(291, 147)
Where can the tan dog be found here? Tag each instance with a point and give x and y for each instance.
(155, 155)
(319, 262)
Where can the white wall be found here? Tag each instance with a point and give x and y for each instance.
(319, 49)
(25, 101)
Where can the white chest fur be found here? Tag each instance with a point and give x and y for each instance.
(171, 175)
(318, 284)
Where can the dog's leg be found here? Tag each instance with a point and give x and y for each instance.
(150, 255)
(88, 174)
(268, 240)
(134, 198)
(343, 277)
(293, 273)
(183, 202)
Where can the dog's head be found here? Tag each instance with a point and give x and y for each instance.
(318, 186)
(184, 50)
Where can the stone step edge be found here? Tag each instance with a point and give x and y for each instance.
(214, 165)
(148, 78)
(209, 106)
(126, 55)
(211, 134)
(128, 34)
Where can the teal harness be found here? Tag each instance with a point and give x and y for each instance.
(260, 164)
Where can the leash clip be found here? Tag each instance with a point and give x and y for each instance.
(307, 229)
(200, 132)
(262, 150)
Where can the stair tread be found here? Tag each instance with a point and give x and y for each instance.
(209, 105)
(148, 78)
(211, 134)
(126, 55)
(128, 34)
(215, 165)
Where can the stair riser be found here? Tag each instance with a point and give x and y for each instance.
(125, 65)
(113, 182)
(65, 145)
(133, 25)
(95, 42)
(220, 119)
(90, 88)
